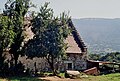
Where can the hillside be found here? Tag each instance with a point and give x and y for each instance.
(101, 35)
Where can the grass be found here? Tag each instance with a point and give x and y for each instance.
(108, 77)
(62, 74)
(49, 73)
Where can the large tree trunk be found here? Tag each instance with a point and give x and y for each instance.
(50, 60)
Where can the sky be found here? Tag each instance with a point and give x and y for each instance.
(81, 8)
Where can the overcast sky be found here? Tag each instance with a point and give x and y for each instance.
(82, 8)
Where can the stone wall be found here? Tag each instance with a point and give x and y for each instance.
(78, 62)
(40, 64)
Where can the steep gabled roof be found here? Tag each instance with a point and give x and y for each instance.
(72, 45)
(75, 42)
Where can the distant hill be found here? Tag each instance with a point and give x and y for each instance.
(101, 35)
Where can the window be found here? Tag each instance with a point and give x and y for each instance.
(69, 66)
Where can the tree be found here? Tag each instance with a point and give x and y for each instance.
(49, 35)
(94, 56)
(6, 36)
(112, 57)
(16, 10)
(6, 32)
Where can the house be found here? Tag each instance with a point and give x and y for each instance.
(76, 52)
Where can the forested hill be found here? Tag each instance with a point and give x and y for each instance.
(100, 34)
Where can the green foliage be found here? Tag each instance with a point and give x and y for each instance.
(94, 56)
(112, 57)
(14, 13)
(16, 10)
(6, 37)
(6, 32)
(49, 35)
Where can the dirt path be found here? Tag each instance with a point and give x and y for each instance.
(55, 78)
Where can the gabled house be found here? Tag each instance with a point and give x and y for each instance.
(76, 52)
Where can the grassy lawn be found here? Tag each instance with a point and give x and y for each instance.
(109, 77)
